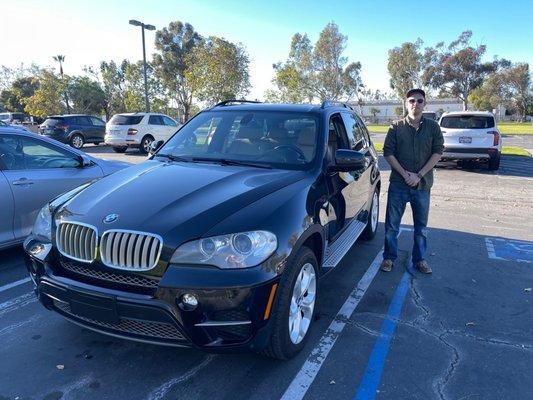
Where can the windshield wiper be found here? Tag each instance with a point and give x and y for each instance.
(225, 161)
(174, 158)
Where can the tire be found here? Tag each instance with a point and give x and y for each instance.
(97, 143)
(287, 339)
(494, 162)
(77, 141)
(146, 141)
(373, 218)
(120, 149)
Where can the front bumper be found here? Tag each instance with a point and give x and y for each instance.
(122, 142)
(465, 153)
(228, 317)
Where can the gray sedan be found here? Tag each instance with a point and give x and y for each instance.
(35, 169)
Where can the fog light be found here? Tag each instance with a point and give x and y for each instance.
(36, 249)
(188, 302)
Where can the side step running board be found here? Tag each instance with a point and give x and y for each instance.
(340, 247)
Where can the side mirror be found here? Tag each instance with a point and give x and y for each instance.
(349, 161)
(156, 145)
(85, 161)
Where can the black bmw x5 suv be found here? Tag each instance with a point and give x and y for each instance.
(218, 241)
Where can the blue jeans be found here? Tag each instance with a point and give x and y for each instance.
(399, 195)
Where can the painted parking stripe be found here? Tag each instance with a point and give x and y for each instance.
(372, 376)
(14, 284)
(300, 384)
(305, 377)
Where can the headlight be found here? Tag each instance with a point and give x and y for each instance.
(238, 250)
(43, 223)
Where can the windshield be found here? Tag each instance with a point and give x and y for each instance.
(126, 119)
(467, 122)
(278, 139)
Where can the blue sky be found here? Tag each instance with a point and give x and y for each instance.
(88, 32)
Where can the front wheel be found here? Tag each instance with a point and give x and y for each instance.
(295, 310)
(372, 223)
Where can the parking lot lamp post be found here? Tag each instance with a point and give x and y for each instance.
(150, 28)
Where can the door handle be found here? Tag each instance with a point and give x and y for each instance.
(22, 182)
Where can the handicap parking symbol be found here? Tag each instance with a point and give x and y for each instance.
(510, 250)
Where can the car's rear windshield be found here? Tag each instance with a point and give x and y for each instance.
(53, 121)
(275, 138)
(467, 122)
(126, 119)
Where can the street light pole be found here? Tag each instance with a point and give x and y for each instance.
(150, 28)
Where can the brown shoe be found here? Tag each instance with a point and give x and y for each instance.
(386, 265)
(423, 267)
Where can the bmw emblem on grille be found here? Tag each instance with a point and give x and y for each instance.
(110, 218)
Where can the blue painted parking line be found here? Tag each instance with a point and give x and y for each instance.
(372, 377)
(509, 250)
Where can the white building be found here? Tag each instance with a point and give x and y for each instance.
(387, 108)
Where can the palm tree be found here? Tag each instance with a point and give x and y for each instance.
(60, 59)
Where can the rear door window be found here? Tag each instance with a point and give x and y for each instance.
(467, 122)
(155, 120)
(83, 121)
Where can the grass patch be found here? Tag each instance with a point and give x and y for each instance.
(506, 150)
(515, 151)
(378, 128)
(516, 128)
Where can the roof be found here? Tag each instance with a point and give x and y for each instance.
(483, 113)
(69, 115)
(279, 107)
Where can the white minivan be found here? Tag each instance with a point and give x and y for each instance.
(138, 130)
(471, 136)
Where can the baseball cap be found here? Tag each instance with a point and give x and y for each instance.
(413, 91)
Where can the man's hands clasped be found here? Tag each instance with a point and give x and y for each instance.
(411, 178)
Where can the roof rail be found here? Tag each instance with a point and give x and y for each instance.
(226, 102)
(332, 103)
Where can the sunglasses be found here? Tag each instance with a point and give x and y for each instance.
(413, 101)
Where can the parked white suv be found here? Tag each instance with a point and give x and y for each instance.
(471, 136)
(138, 130)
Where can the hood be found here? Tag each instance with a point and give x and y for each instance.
(179, 201)
(111, 166)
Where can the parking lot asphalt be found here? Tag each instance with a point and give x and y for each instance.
(464, 332)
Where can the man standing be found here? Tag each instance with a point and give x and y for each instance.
(413, 146)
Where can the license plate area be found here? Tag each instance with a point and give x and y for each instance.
(465, 139)
(96, 307)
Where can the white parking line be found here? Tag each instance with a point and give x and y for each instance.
(162, 391)
(305, 377)
(14, 284)
(17, 302)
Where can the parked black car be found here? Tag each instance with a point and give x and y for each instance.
(217, 241)
(75, 130)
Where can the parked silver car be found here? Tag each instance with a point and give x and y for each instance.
(35, 169)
